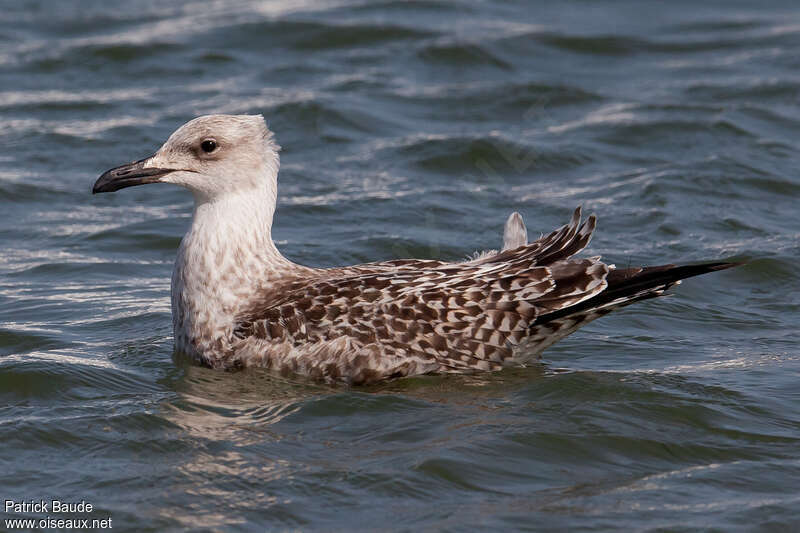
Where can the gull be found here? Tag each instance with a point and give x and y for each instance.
(238, 302)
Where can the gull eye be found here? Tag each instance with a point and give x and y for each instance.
(208, 146)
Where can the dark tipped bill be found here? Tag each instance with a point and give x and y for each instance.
(128, 176)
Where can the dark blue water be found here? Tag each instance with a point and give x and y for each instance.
(409, 129)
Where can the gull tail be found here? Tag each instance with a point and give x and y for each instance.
(629, 285)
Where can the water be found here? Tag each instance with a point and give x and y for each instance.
(409, 130)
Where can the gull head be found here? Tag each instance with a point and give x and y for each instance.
(212, 156)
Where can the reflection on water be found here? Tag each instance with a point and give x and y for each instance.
(231, 415)
(238, 407)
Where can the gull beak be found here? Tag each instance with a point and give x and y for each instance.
(129, 175)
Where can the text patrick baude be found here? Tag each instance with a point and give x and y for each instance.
(53, 506)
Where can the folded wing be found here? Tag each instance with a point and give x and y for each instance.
(444, 316)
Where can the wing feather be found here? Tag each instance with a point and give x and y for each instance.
(453, 316)
(394, 318)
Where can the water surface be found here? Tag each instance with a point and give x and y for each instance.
(410, 129)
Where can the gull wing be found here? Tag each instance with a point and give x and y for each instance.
(398, 316)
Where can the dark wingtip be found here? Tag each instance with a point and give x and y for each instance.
(669, 273)
(639, 283)
(697, 269)
(724, 264)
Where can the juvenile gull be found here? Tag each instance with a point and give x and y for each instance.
(237, 302)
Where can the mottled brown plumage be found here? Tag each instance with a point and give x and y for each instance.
(237, 302)
(412, 316)
(441, 316)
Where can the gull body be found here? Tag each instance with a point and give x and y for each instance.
(238, 302)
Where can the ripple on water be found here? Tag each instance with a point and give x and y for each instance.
(493, 157)
(15, 341)
(461, 55)
(318, 118)
(488, 101)
(327, 37)
(611, 45)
